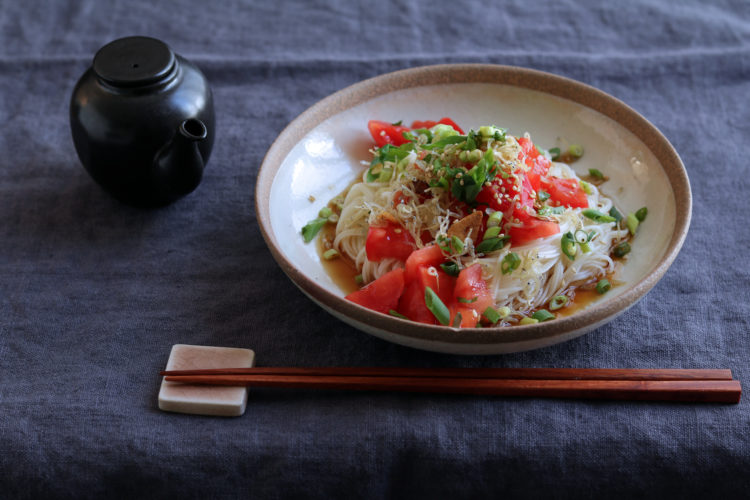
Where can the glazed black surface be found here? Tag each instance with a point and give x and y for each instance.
(126, 114)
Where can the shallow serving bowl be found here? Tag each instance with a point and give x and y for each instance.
(321, 152)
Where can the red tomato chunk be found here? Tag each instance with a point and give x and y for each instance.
(382, 294)
(391, 240)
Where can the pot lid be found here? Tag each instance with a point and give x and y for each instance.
(134, 61)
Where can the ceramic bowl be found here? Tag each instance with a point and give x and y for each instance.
(322, 151)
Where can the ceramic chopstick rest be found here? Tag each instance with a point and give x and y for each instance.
(203, 399)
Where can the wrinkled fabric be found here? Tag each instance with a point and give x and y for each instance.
(93, 293)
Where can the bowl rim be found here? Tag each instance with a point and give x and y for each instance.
(415, 333)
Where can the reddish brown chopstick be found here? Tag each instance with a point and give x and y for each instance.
(709, 386)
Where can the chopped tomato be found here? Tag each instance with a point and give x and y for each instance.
(471, 287)
(566, 192)
(500, 193)
(531, 230)
(441, 282)
(538, 163)
(387, 133)
(469, 317)
(390, 240)
(381, 295)
(425, 257)
(430, 124)
(412, 305)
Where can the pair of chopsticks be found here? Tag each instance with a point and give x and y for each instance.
(685, 385)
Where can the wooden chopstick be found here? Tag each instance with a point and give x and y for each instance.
(492, 373)
(570, 383)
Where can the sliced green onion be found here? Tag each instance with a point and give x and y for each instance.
(436, 306)
(510, 263)
(467, 301)
(554, 153)
(457, 320)
(587, 188)
(312, 228)
(542, 195)
(325, 212)
(492, 244)
(581, 236)
(528, 321)
(359, 279)
(457, 244)
(386, 174)
(492, 315)
(495, 219)
(492, 232)
(547, 210)
(622, 249)
(641, 213)
(596, 174)
(450, 267)
(597, 216)
(575, 150)
(330, 254)
(616, 214)
(603, 286)
(557, 302)
(632, 222)
(397, 314)
(568, 245)
(543, 315)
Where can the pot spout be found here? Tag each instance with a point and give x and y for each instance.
(178, 166)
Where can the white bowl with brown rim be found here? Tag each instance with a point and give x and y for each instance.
(322, 152)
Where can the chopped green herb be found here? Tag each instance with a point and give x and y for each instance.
(330, 254)
(492, 232)
(641, 213)
(614, 213)
(495, 219)
(603, 286)
(568, 245)
(557, 302)
(622, 249)
(398, 123)
(312, 228)
(510, 263)
(575, 150)
(359, 279)
(445, 141)
(543, 315)
(492, 244)
(632, 222)
(468, 301)
(436, 306)
(397, 314)
(581, 236)
(457, 244)
(547, 210)
(597, 216)
(450, 267)
(554, 153)
(325, 212)
(492, 315)
(542, 195)
(596, 174)
(457, 320)
(587, 188)
(528, 321)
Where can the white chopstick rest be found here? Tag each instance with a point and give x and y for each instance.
(203, 399)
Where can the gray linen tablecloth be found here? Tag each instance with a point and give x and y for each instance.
(93, 294)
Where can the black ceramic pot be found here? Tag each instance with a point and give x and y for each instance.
(143, 122)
